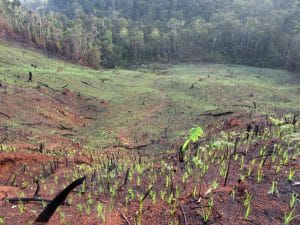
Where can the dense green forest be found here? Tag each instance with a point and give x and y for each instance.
(109, 33)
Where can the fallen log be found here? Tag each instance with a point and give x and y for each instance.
(124, 217)
(62, 127)
(88, 118)
(30, 200)
(217, 114)
(32, 124)
(45, 85)
(128, 147)
(68, 135)
(59, 100)
(5, 115)
(86, 83)
(35, 198)
(184, 215)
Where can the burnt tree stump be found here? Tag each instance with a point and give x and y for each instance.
(30, 76)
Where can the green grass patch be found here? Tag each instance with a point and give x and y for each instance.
(187, 91)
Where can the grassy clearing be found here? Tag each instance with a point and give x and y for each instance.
(131, 94)
(224, 87)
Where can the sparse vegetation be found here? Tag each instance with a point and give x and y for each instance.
(128, 147)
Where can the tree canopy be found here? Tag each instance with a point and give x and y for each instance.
(113, 33)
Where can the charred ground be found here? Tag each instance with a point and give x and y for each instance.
(123, 129)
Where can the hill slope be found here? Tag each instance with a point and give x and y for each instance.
(122, 129)
(115, 99)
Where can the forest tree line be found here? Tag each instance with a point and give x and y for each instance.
(110, 33)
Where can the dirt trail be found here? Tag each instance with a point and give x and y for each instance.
(125, 133)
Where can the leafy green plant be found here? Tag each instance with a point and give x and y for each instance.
(194, 134)
(275, 121)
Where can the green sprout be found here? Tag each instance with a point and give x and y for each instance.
(248, 210)
(153, 197)
(277, 169)
(88, 210)
(247, 204)
(233, 193)
(276, 122)
(80, 207)
(131, 194)
(207, 211)
(99, 209)
(293, 200)
(274, 188)
(259, 175)
(249, 171)
(21, 207)
(2, 220)
(291, 175)
(162, 195)
(62, 217)
(195, 191)
(215, 184)
(288, 217)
